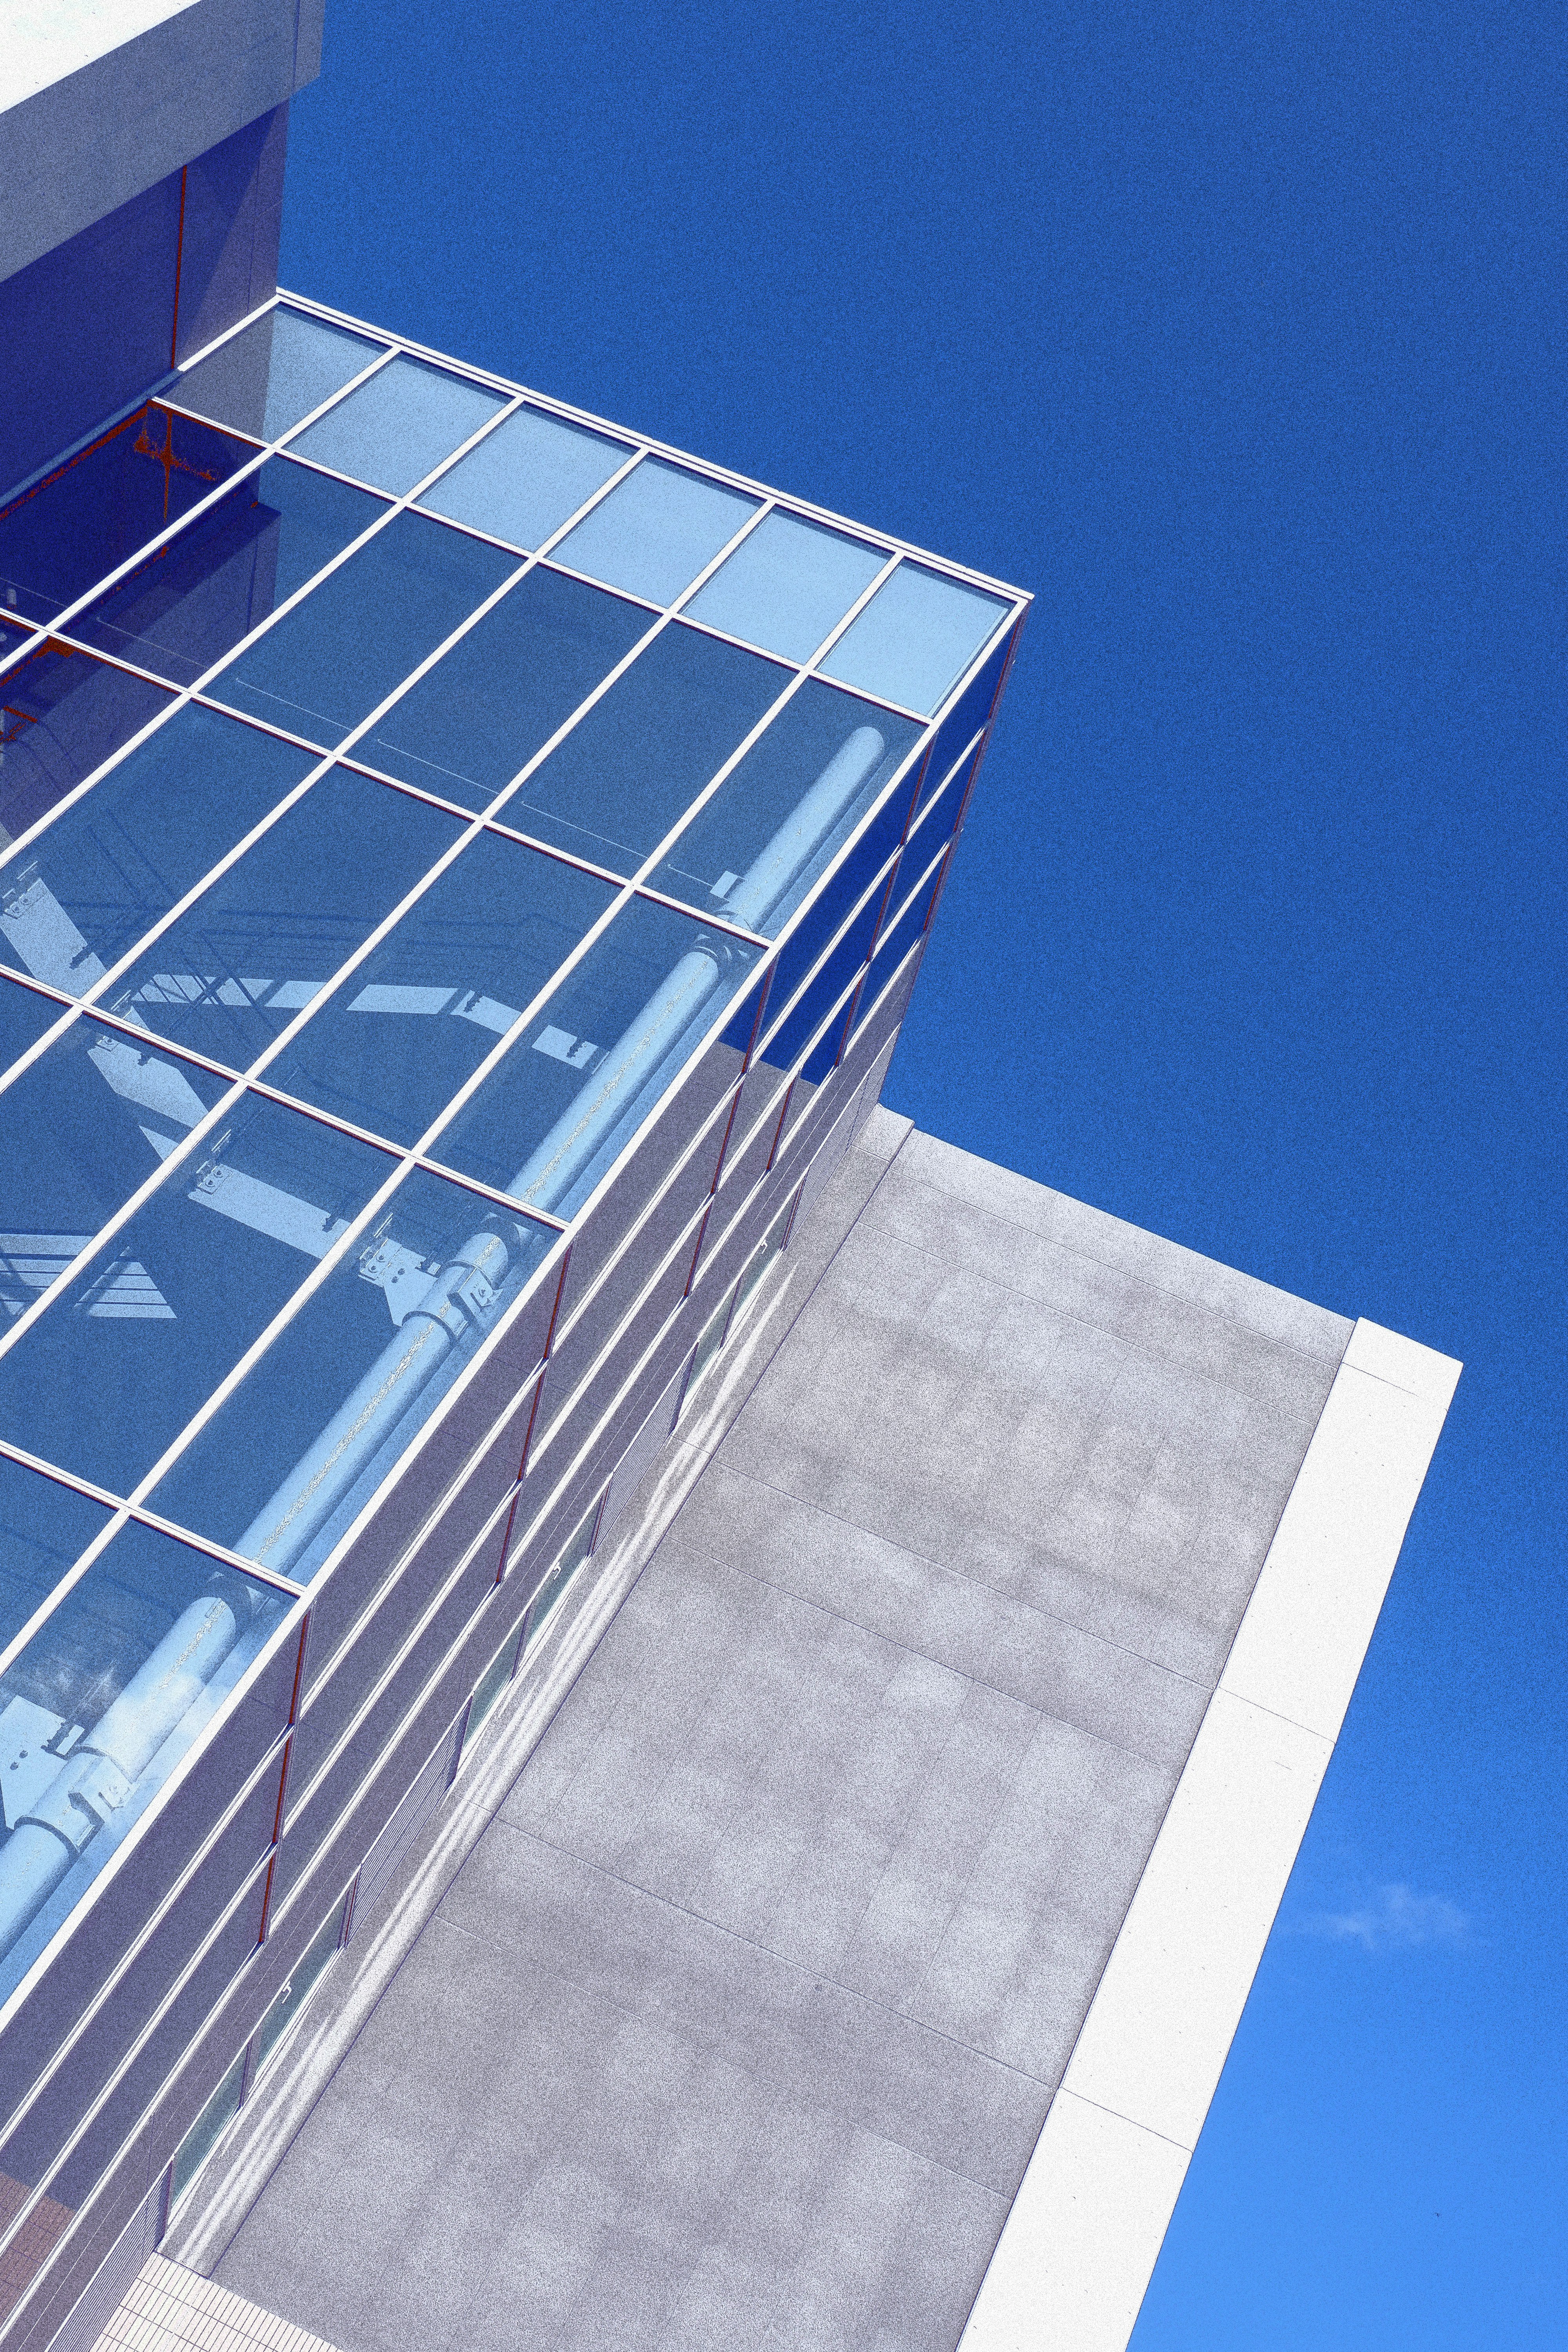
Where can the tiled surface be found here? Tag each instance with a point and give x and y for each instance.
(742, 2020)
(169, 2309)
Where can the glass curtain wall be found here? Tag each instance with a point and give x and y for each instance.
(456, 862)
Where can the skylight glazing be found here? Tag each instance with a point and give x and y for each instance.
(400, 782)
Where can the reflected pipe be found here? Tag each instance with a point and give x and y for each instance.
(101, 1775)
(466, 1294)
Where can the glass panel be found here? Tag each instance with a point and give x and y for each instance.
(101, 505)
(116, 1686)
(967, 719)
(527, 477)
(23, 1017)
(821, 918)
(798, 1028)
(708, 1347)
(115, 1367)
(574, 1088)
(400, 424)
(308, 1970)
(274, 928)
(613, 788)
(471, 722)
(64, 714)
(208, 2128)
(282, 1469)
(264, 379)
(183, 610)
(674, 1211)
(656, 531)
(329, 661)
(79, 1130)
(787, 585)
(565, 1568)
(75, 901)
(905, 925)
(390, 1047)
(43, 1526)
(915, 636)
(490, 1684)
(755, 850)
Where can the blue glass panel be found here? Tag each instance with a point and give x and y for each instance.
(391, 1045)
(115, 1367)
(328, 662)
(527, 477)
(787, 583)
(183, 608)
(968, 716)
(100, 506)
(64, 714)
(612, 789)
(43, 1526)
(78, 897)
(917, 635)
(907, 919)
(24, 1018)
(656, 531)
(276, 925)
(115, 1687)
(834, 902)
(79, 1130)
(265, 379)
(754, 851)
(398, 425)
(577, 1085)
(939, 814)
(798, 1027)
(471, 722)
(282, 1470)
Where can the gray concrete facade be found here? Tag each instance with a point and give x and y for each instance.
(742, 2017)
(100, 99)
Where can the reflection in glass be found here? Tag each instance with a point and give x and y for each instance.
(64, 715)
(753, 852)
(269, 933)
(183, 608)
(576, 1085)
(208, 2129)
(116, 1365)
(101, 505)
(81, 1130)
(327, 663)
(399, 424)
(390, 1047)
(265, 379)
(527, 477)
(786, 585)
(77, 898)
(121, 1679)
(308, 1973)
(23, 1017)
(286, 1465)
(484, 709)
(614, 787)
(44, 1527)
(914, 639)
(656, 531)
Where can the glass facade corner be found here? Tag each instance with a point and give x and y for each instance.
(460, 864)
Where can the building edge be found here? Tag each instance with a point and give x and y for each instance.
(1078, 2247)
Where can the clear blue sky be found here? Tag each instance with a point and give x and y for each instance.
(1239, 335)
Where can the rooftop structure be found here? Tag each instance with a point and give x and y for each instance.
(463, 867)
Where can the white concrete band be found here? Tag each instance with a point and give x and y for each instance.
(1079, 2244)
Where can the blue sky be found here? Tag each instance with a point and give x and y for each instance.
(1238, 334)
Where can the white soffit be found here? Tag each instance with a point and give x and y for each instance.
(47, 39)
(1079, 2245)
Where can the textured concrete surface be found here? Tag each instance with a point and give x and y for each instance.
(739, 2022)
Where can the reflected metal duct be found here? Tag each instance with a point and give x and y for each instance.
(465, 1296)
(100, 1776)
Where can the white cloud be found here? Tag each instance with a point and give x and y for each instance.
(1395, 1919)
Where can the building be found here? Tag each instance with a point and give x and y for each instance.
(464, 871)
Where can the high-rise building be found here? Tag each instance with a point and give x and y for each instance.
(462, 871)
